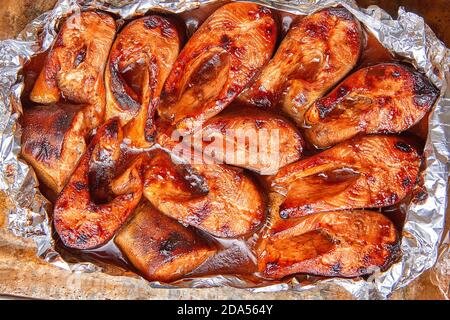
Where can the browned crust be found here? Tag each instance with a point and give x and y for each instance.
(260, 141)
(159, 247)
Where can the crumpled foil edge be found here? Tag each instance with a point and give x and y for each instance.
(408, 37)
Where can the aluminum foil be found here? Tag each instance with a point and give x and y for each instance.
(408, 37)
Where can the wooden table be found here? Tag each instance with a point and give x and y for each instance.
(22, 274)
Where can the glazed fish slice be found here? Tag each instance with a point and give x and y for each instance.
(217, 63)
(215, 198)
(249, 138)
(146, 48)
(80, 222)
(159, 247)
(318, 51)
(53, 141)
(385, 98)
(336, 243)
(75, 64)
(366, 172)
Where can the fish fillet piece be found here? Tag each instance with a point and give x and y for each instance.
(384, 98)
(365, 172)
(143, 53)
(217, 62)
(218, 199)
(249, 138)
(80, 222)
(53, 141)
(75, 64)
(160, 247)
(335, 243)
(318, 51)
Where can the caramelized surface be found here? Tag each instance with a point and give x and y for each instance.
(336, 243)
(74, 67)
(217, 199)
(365, 172)
(317, 52)
(385, 98)
(53, 141)
(250, 139)
(159, 247)
(217, 63)
(146, 49)
(80, 222)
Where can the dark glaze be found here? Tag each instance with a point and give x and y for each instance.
(233, 257)
(194, 18)
(103, 168)
(229, 260)
(71, 74)
(44, 130)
